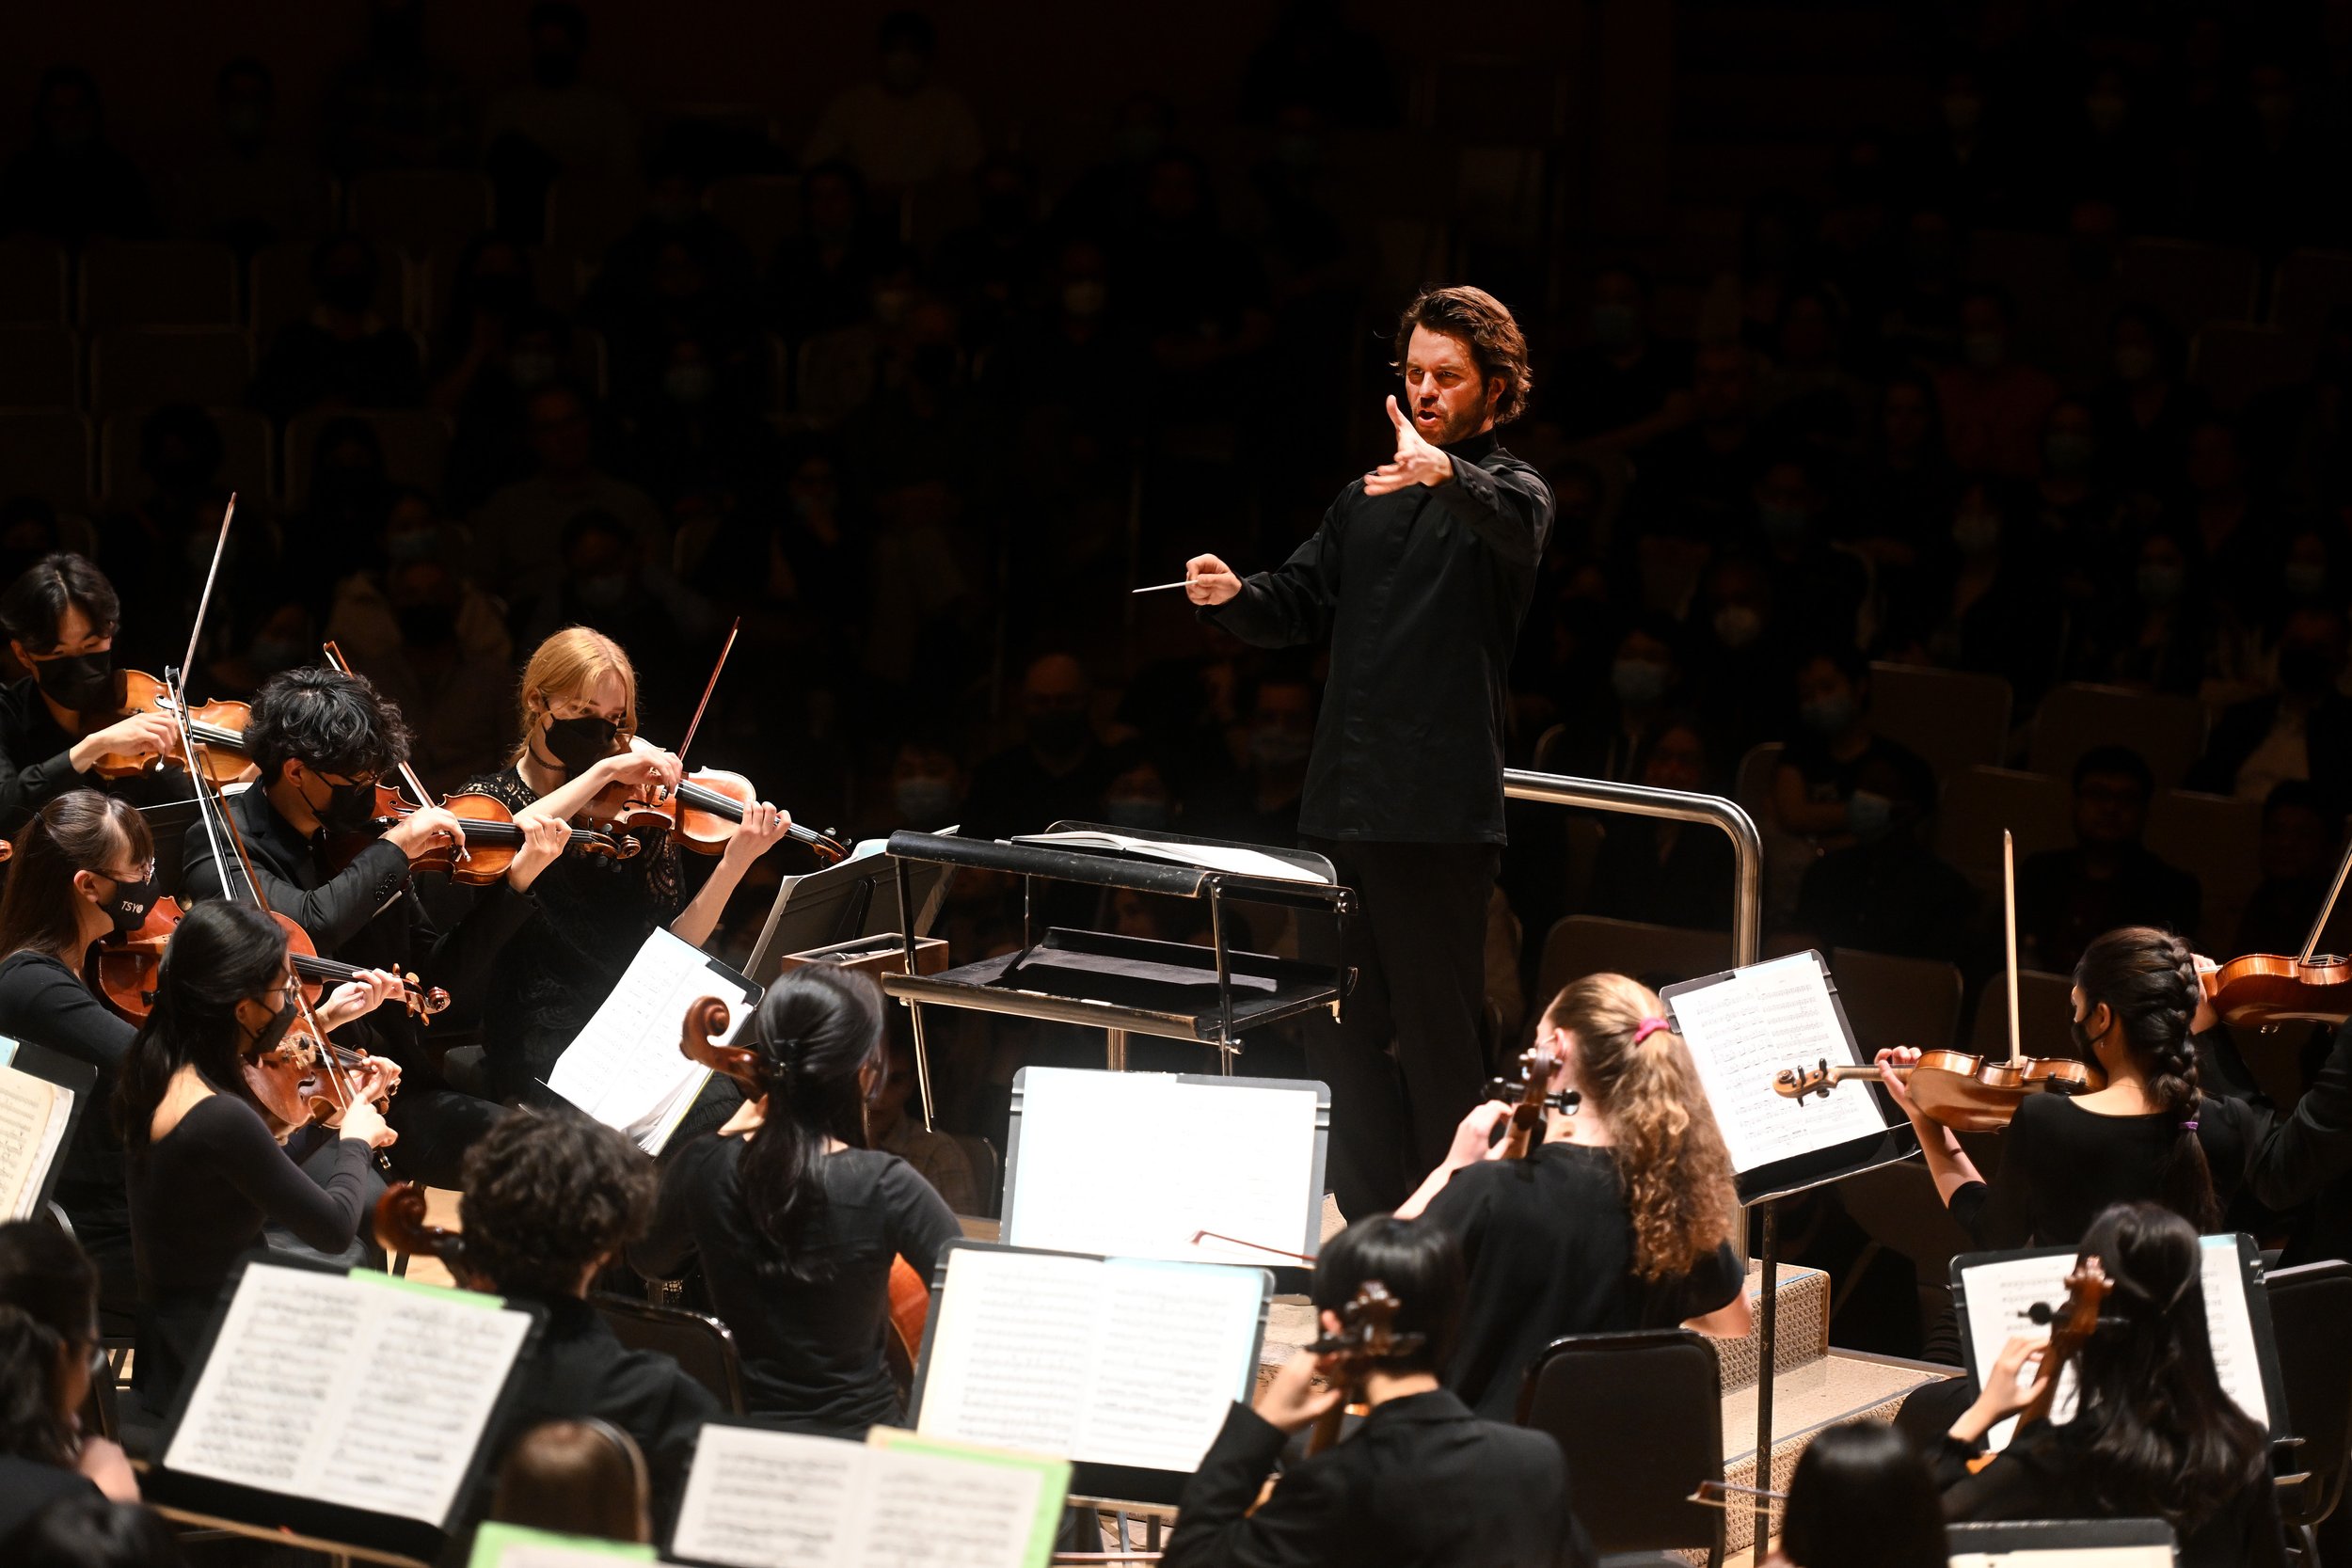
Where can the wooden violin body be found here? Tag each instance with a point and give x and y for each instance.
(401, 1231)
(2261, 989)
(493, 838)
(702, 813)
(219, 725)
(1965, 1093)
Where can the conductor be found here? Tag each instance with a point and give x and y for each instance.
(1421, 575)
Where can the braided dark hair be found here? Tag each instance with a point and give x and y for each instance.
(817, 1030)
(2147, 979)
(48, 1308)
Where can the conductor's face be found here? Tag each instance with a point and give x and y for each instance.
(1448, 399)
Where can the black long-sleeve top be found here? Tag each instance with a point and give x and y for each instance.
(2040, 1475)
(1422, 593)
(367, 914)
(45, 1003)
(812, 1353)
(35, 766)
(1422, 1482)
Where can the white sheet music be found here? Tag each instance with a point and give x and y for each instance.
(1134, 1164)
(625, 1068)
(32, 1117)
(1229, 858)
(771, 1499)
(2001, 1297)
(386, 1423)
(2070, 1556)
(1746, 1030)
(1111, 1361)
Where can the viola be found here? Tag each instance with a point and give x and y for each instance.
(130, 965)
(219, 725)
(1529, 1098)
(910, 1298)
(702, 813)
(1968, 1094)
(493, 838)
(1367, 1335)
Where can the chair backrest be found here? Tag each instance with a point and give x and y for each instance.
(702, 1346)
(2191, 283)
(2046, 1006)
(159, 283)
(32, 282)
(1590, 944)
(1953, 719)
(987, 1171)
(38, 367)
(146, 367)
(49, 455)
(2219, 841)
(2310, 285)
(1640, 1417)
(414, 441)
(2235, 362)
(2167, 731)
(1978, 802)
(2309, 1307)
(249, 463)
(1894, 1001)
(1753, 788)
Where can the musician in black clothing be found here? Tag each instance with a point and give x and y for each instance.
(48, 1338)
(796, 1220)
(84, 868)
(1421, 575)
(550, 1199)
(61, 616)
(322, 741)
(1422, 1481)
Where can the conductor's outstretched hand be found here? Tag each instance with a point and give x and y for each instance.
(1416, 462)
(1209, 580)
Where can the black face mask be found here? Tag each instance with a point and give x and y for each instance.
(349, 807)
(275, 1030)
(132, 900)
(426, 626)
(2084, 1044)
(83, 682)
(580, 743)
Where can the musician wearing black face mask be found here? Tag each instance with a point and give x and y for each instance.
(322, 741)
(60, 616)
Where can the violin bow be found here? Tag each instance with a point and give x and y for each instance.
(2327, 908)
(708, 687)
(196, 631)
(336, 661)
(2009, 923)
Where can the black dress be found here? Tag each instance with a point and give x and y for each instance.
(2040, 1475)
(1548, 1243)
(201, 1197)
(2061, 1165)
(45, 1003)
(812, 1353)
(27, 1486)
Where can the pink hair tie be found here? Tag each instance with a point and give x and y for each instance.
(1649, 1026)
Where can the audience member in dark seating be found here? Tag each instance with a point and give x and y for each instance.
(1666, 873)
(71, 184)
(1260, 804)
(1814, 585)
(1645, 682)
(395, 107)
(1889, 892)
(1814, 787)
(254, 187)
(1743, 663)
(2150, 630)
(1058, 771)
(2302, 831)
(1993, 403)
(2301, 731)
(343, 355)
(1983, 598)
(1619, 387)
(1699, 481)
(902, 128)
(518, 532)
(2144, 411)
(2109, 879)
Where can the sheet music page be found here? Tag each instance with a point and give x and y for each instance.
(32, 1122)
(770, 1500)
(933, 1511)
(1011, 1356)
(1744, 1030)
(625, 1068)
(1176, 1351)
(1235, 1159)
(2070, 1556)
(1051, 1477)
(1215, 857)
(2230, 1327)
(387, 1424)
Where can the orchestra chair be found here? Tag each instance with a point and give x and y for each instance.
(1584, 944)
(2167, 731)
(1640, 1417)
(2236, 363)
(39, 364)
(248, 461)
(2309, 1307)
(1953, 719)
(2218, 840)
(703, 1346)
(2312, 283)
(159, 283)
(988, 1172)
(1896, 1001)
(2189, 282)
(1978, 802)
(32, 282)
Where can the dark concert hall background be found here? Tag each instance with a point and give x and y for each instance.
(1977, 374)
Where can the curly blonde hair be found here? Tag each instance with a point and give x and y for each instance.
(1671, 1155)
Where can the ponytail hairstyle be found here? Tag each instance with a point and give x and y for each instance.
(1637, 1075)
(82, 829)
(223, 953)
(815, 1032)
(2148, 980)
(48, 1312)
(2161, 1437)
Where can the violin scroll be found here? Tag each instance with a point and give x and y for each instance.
(1367, 1334)
(1796, 1083)
(401, 1229)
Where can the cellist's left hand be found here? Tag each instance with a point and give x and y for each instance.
(359, 996)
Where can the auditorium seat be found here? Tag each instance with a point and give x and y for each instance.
(1953, 719)
(1584, 944)
(38, 367)
(1640, 1417)
(248, 463)
(702, 1347)
(415, 440)
(1897, 1000)
(144, 367)
(586, 213)
(2236, 363)
(1753, 788)
(32, 282)
(416, 210)
(1978, 802)
(835, 375)
(46, 453)
(2219, 841)
(2025, 265)
(2311, 284)
(2190, 283)
(2045, 1008)
(2167, 731)
(159, 283)
(760, 210)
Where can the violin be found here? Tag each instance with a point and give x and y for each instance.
(2266, 990)
(702, 813)
(493, 838)
(1367, 1335)
(130, 966)
(1968, 1094)
(1529, 1098)
(219, 725)
(910, 1298)
(401, 1231)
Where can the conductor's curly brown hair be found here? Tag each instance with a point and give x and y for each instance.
(1496, 345)
(547, 1194)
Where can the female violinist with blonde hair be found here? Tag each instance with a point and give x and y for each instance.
(578, 737)
(1621, 1218)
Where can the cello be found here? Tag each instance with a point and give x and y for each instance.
(1531, 1100)
(1367, 1336)
(910, 1298)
